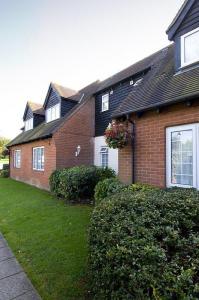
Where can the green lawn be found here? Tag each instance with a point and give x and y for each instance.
(48, 238)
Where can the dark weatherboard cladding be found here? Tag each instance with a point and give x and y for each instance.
(189, 23)
(53, 99)
(191, 20)
(38, 119)
(29, 114)
(116, 95)
(66, 106)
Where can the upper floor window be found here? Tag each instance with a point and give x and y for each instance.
(105, 102)
(17, 159)
(38, 158)
(190, 47)
(53, 113)
(29, 124)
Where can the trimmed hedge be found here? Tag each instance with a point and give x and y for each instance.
(107, 187)
(78, 183)
(145, 245)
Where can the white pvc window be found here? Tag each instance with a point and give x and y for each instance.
(53, 113)
(38, 158)
(182, 156)
(104, 157)
(190, 47)
(105, 102)
(29, 124)
(17, 159)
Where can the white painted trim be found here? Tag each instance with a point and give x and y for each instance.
(183, 37)
(195, 129)
(103, 101)
(28, 124)
(50, 110)
(35, 169)
(14, 160)
(100, 142)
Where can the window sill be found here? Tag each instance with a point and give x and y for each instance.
(38, 170)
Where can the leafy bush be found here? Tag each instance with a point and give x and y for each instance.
(107, 187)
(4, 173)
(78, 183)
(54, 182)
(145, 245)
(141, 187)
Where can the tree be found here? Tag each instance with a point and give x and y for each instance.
(3, 150)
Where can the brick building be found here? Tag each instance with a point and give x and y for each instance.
(158, 96)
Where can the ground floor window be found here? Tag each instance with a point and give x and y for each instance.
(104, 156)
(17, 159)
(182, 156)
(38, 158)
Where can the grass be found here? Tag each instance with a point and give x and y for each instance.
(48, 237)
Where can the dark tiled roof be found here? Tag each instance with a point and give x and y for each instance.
(46, 130)
(35, 107)
(131, 71)
(64, 92)
(161, 85)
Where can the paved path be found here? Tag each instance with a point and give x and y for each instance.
(14, 284)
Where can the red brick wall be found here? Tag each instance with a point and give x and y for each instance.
(78, 130)
(150, 143)
(60, 150)
(26, 172)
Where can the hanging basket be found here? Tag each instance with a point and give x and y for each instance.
(117, 135)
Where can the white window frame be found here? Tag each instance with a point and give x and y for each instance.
(183, 37)
(195, 130)
(28, 124)
(35, 166)
(101, 154)
(17, 159)
(53, 113)
(105, 99)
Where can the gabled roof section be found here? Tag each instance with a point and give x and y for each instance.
(86, 91)
(61, 91)
(46, 130)
(36, 108)
(177, 21)
(140, 67)
(161, 86)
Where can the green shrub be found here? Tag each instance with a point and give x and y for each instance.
(4, 173)
(107, 187)
(104, 173)
(141, 187)
(78, 183)
(145, 245)
(54, 182)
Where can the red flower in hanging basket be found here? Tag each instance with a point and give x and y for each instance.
(117, 135)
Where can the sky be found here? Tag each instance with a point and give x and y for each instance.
(72, 43)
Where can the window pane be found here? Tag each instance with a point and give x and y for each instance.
(191, 44)
(104, 157)
(105, 102)
(38, 158)
(182, 157)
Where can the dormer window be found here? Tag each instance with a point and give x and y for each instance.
(190, 47)
(53, 113)
(29, 124)
(105, 102)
